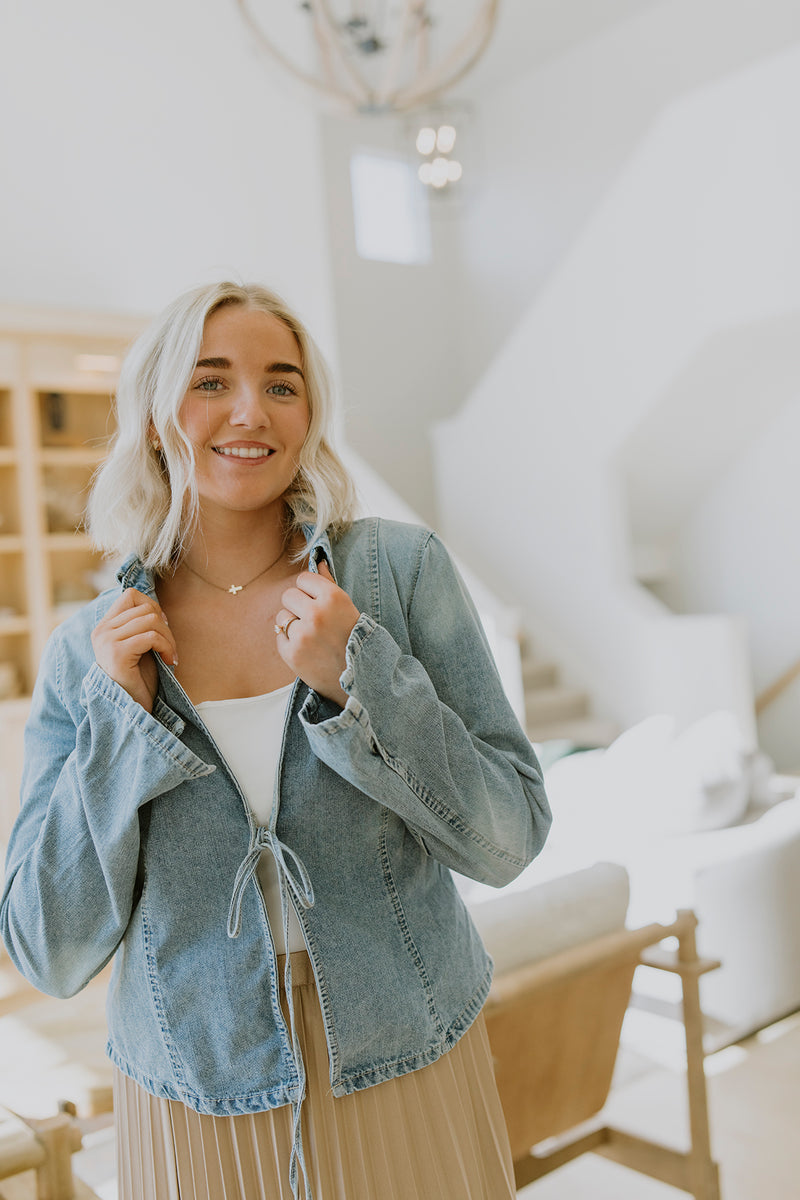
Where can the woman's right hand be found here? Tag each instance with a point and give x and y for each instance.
(133, 626)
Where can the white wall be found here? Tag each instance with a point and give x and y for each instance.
(696, 235)
(397, 326)
(737, 551)
(149, 147)
(555, 140)
(705, 420)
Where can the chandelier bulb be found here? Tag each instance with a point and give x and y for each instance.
(426, 140)
(445, 139)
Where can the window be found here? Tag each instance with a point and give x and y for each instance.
(390, 209)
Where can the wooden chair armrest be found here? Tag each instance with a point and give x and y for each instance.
(45, 1146)
(668, 960)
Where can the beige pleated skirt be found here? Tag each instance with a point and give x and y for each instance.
(437, 1132)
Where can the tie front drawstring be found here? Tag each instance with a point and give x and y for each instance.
(294, 877)
(299, 885)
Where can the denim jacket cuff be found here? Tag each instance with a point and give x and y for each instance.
(162, 728)
(362, 630)
(317, 710)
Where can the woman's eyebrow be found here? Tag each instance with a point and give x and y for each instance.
(221, 364)
(283, 368)
(224, 364)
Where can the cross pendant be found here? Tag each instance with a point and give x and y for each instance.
(233, 589)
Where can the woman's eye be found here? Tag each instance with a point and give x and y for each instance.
(209, 385)
(281, 389)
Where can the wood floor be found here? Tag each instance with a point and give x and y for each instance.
(754, 1109)
(52, 1050)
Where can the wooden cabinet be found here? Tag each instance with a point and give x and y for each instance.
(58, 372)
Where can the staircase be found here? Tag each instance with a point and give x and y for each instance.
(554, 712)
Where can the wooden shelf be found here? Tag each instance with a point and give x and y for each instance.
(74, 381)
(14, 626)
(59, 373)
(72, 456)
(75, 543)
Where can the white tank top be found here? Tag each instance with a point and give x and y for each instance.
(249, 732)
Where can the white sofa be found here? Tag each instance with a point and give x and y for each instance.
(697, 822)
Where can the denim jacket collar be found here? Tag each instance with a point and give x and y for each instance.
(133, 573)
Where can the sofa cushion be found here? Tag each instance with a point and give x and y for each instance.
(523, 925)
(654, 779)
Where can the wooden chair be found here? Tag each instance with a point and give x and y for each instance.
(44, 1146)
(554, 1029)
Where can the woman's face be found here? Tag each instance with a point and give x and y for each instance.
(246, 410)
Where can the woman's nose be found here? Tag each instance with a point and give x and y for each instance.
(248, 408)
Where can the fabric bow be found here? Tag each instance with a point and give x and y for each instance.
(294, 877)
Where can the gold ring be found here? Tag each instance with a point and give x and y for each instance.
(284, 628)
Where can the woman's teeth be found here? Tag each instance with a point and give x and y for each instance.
(244, 451)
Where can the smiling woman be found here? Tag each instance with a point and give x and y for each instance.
(145, 494)
(246, 422)
(249, 771)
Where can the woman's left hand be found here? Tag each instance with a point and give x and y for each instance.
(315, 640)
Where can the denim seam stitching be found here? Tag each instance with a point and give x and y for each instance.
(327, 1012)
(158, 1003)
(374, 569)
(59, 649)
(422, 550)
(402, 921)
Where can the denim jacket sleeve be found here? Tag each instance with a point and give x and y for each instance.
(432, 736)
(93, 757)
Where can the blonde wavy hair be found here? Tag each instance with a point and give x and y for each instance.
(145, 499)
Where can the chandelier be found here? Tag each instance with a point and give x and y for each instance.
(374, 56)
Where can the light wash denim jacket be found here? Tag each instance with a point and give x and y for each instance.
(134, 840)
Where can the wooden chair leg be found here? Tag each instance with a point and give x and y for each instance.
(59, 1137)
(703, 1171)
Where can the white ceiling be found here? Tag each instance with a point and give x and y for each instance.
(529, 32)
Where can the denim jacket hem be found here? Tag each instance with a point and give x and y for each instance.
(223, 1106)
(355, 1081)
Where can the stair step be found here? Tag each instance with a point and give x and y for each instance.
(538, 673)
(588, 732)
(547, 704)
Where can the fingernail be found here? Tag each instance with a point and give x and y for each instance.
(174, 662)
(164, 615)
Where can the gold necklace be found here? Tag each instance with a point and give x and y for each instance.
(235, 588)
